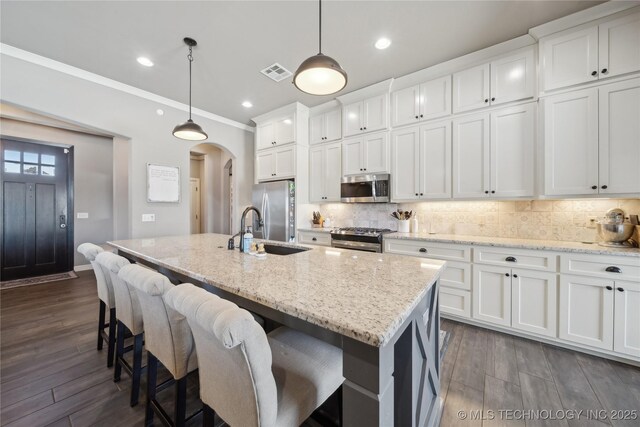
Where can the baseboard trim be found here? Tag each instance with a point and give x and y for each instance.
(83, 267)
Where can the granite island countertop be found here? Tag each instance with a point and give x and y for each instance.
(547, 245)
(365, 296)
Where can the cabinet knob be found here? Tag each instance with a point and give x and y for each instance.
(594, 73)
(423, 250)
(416, 117)
(486, 192)
(515, 275)
(493, 191)
(493, 98)
(594, 187)
(506, 274)
(314, 239)
(609, 288)
(604, 187)
(416, 194)
(486, 100)
(613, 269)
(511, 259)
(421, 194)
(365, 169)
(365, 128)
(360, 128)
(360, 169)
(604, 71)
(421, 116)
(620, 289)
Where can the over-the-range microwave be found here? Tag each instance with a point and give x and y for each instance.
(369, 188)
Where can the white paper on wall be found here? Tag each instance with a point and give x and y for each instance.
(163, 183)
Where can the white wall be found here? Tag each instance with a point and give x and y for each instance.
(30, 84)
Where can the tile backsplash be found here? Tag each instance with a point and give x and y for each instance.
(530, 219)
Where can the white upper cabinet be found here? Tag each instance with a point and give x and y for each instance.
(276, 163)
(367, 154)
(569, 58)
(619, 144)
(265, 165)
(471, 89)
(427, 101)
(325, 127)
(405, 164)
(573, 57)
(471, 156)
(619, 42)
(365, 116)
(277, 132)
(513, 77)
(325, 173)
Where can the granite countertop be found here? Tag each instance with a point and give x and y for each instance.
(318, 230)
(548, 245)
(365, 296)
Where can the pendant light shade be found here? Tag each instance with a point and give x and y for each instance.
(320, 74)
(189, 130)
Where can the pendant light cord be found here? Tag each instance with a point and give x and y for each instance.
(190, 58)
(319, 27)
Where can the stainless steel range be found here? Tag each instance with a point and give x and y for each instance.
(358, 238)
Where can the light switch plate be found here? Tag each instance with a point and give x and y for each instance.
(82, 215)
(148, 217)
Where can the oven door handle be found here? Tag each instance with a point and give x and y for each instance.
(359, 246)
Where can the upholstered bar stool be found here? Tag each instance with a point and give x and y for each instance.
(248, 377)
(107, 300)
(129, 319)
(167, 339)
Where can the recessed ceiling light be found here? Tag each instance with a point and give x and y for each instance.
(247, 104)
(160, 112)
(383, 43)
(142, 60)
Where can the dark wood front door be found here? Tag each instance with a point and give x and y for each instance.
(36, 209)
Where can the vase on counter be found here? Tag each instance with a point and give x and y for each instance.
(403, 225)
(415, 227)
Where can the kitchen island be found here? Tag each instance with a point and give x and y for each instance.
(381, 309)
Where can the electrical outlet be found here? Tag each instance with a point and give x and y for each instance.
(82, 215)
(591, 222)
(148, 217)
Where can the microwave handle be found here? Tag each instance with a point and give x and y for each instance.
(373, 188)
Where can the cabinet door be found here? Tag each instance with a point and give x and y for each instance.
(405, 163)
(534, 299)
(619, 144)
(471, 89)
(285, 130)
(265, 165)
(352, 119)
(492, 294)
(376, 153)
(316, 174)
(266, 136)
(405, 106)
(471, 156)
(455, 301)
(513, 77)
(513, 151)
(619, 51)
(285, 162)
(375, 113)
(333, 125)
(571, 143)
(627, 318)
(316, 129)
(569, 58)
(333, 172)
(435, 98)
(586, 311)
(352, 161)
(435, 161)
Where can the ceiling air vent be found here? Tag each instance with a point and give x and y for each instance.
(276, 72)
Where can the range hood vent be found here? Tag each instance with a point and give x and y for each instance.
(276, 72)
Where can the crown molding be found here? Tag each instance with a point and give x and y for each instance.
(61, 67)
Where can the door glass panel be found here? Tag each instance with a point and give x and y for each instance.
(12, 155)
(47, 170)
(10, 167)
(47, 159)
(30, 169)
(30, 157)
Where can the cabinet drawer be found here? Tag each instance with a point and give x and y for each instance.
(444, 251)
(516, 258)
(610, 267)
(456, 275)
(456, 302)
(314, 238)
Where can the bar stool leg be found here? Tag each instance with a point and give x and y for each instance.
(152, 378)
(181, 402)
(119, 351)
(112, 337)
(103, 308)
(208, 416)
(137, 369)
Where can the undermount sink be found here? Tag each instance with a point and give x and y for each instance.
(282, 250)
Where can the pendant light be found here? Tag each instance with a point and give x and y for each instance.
(320, 74)
(190, 130)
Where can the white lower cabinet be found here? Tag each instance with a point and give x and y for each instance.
(626, 323)
(455, 301)
(492, 294)
(319, 238)
(534, 301)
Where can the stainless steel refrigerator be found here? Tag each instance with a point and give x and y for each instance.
(276, 203)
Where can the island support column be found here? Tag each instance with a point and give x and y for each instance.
(397, 384)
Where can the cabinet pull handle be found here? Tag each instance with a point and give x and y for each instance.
(493, 191)
(416, 117)
(416, 194)
(604, 187)
(515, 275)
(506, 274)
(493, 98)
(604, 71)
(421, 116)
(486, 100)
(421, 194)
(365, 169)
(360, 128)
(486, 192)
(510, 259)
(365, 128)
(594, 187)
(620, 289)
(594, 73)
(423, 250)
(613, 269)
(314, 239)
(609, 288)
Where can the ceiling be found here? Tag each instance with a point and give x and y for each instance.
(236, 39)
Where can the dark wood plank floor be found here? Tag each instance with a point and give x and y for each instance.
(51, 373)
